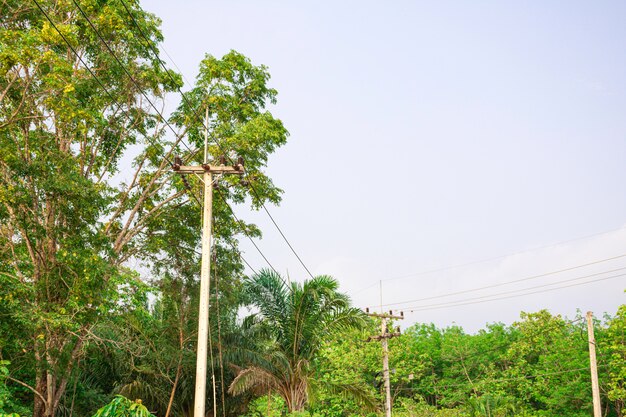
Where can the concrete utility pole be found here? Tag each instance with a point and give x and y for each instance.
(595, 386)
(207, 171)
(384, 336)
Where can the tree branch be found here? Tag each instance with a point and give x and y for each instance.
(17, 381)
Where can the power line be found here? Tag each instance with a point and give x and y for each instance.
(112, 53)
(243, 230)
(494, 258)
(106, 90)
(219, 334)
(463, 302)
(254, 191)
(537, 286)
(505, 283)
(127, 72)
(248, 236)
(167, 71)
(505, 379)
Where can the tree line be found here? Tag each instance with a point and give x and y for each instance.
(537, 366)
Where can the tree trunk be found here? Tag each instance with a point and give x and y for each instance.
(173, 392)
(39, 407)
(298, 397)
(51, 382)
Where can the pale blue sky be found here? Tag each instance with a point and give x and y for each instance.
(427, 134)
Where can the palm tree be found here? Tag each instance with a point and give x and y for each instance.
(290, 325)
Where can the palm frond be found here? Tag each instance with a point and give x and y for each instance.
(253, 378)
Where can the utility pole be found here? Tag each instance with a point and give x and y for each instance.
(206, 171)
(384, 336)
(595, 387)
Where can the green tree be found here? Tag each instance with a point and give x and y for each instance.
(347, 360)
(73, 214)
(615, 359)
(62, 138)
(548, 365)
(293, 321)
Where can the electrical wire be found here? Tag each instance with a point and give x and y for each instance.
(494, 258)
(127, 72)
(504, 283)
(463, 302)
(219, 334)
(106, 91)
(252, 189)
(507, 379)
(539, 286)
(104, 88)
(248, 236)
(113, 54)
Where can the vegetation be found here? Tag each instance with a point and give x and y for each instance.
(99, 255)
(123, 407)
(292, 323)
(538, 366)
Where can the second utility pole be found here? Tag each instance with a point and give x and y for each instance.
(384, 337)
(595, 386)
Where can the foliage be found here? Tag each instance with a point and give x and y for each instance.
(408, 407)
(492, 406)
(121, 406)
(346, 361)
(74, 215)
(539, 366)
(7, 407)
(615, 351)
(266, 406)
(78, 221)
(291, 325)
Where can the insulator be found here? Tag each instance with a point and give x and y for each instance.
(391, 312)
(367, 309)
(402, 314)
(240, 161)
(398, 329)
(222, 160)
(245, 183)
(178, 161)
(217, 185)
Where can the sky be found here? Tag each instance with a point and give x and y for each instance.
(437, 147)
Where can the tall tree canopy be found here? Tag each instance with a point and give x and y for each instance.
(81, 90)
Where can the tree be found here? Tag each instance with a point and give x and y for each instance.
(294, 321)
(62, 138)
(615, 346)
(549, 365)
(73, 214)
(344, 361)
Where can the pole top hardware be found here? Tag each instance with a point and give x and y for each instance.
(178, 161)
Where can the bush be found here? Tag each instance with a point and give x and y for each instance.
(121, 406)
